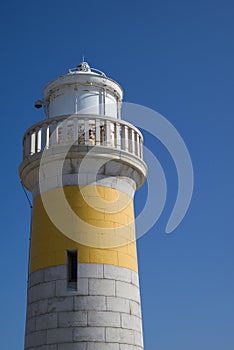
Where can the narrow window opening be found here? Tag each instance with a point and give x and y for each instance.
(72, 270)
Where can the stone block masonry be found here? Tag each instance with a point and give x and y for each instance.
(104, 312)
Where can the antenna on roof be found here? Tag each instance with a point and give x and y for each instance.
(82, 58)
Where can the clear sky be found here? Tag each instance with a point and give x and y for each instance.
(177, 58)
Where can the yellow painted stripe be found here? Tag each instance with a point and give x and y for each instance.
(49, 245)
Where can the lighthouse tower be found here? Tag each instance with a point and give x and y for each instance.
(83, 164)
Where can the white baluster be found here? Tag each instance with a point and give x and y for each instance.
(38, 140)
(98, 134)
(133, 141)
(47, 136)
(117, 136)
(86, 131)
(137, 145)
(32, 143)
(141, 148)
(125, 137)
(108, 134)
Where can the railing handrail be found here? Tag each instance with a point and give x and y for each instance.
(49, 121)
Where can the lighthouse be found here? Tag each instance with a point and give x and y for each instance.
(82, 164)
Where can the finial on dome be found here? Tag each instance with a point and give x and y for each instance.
(83, 66)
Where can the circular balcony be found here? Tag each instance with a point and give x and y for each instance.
(83, 130)
(113, 145)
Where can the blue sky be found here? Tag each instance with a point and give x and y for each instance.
(177, 58)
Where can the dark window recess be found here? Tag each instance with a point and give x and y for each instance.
(72, 270)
